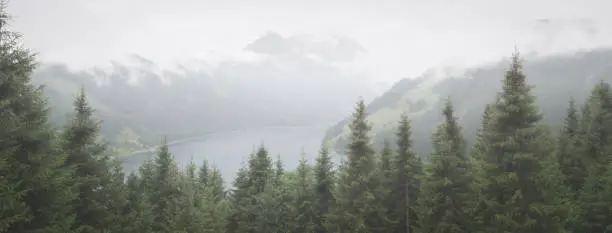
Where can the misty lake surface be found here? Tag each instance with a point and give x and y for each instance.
(227, 150)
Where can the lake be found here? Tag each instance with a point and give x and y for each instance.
(227, 150)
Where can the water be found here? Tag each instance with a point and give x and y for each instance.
(229, 149)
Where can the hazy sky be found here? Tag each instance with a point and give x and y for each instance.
(402, 37)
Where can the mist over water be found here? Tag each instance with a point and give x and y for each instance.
(228, 150)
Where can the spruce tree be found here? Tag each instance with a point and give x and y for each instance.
(596, 125)
(385, 175)
(303, 200)
(279, 191)
(165, 192)
(517, 194)
(216, 185)
(190, 204)
(570, 160)
(36, 188)
(138, 210)
(214, 207)
(237, 220)
(446, 191)
(595, 201)
(354, 190)
(406, 186)
(116, 193)
(203, 173)
(92, 169)
(323, 188)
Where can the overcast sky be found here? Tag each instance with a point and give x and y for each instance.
(402, 37)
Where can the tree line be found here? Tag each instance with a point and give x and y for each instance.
(518, 176)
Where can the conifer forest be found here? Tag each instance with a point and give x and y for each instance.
(519, 176)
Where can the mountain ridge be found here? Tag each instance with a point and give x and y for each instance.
(420, 98)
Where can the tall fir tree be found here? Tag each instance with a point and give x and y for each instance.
(203, 173)
(323, 188)
(165, 191)
(190, 204)
(446, 199)
(408, 170)
(594, 200)
(281, 196)
(138, 211)
(216, 185)
(354, 190)
(570, 160)
(516, 194)
(383, 194)
(596, 125)
(237, 219)
(37, 188)
(303, 212)
(86, 154)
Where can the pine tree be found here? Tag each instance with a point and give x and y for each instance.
(597, 125)
(280, 191)
(237, 220)
(408, 170)
(570, 159)
(165, 191)
(446, 191)
(260, 170)
(87, 155)
(203, 173)
(37, 188)
(216, 185)
(138, 210)
(303, 200)
(323, 187)
(595, 201)
(190, 205)
(354, 190)
(214, 207)
(385, 175)
(279, 171)
(517, 195)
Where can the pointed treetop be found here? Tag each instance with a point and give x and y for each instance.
(448, 109)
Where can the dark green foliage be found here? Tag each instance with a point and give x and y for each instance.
(597, 124)
(166, 194)
(406, 186)
(354, 191)
(595, 201)
(215, 185)
(447, 196)
(239, 201)
(384, 197)
(516, 179)
(512, 190)
(203, 173)
(303, 200)
(138, 211)
(36, 188)
(93, 177)
(323, 188)
(570, 160)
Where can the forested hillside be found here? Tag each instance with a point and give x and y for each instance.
(518, 176)
(140, 101)
(556, 79)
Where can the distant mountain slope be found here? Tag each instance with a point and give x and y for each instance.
(556, 79)
(140, 102)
